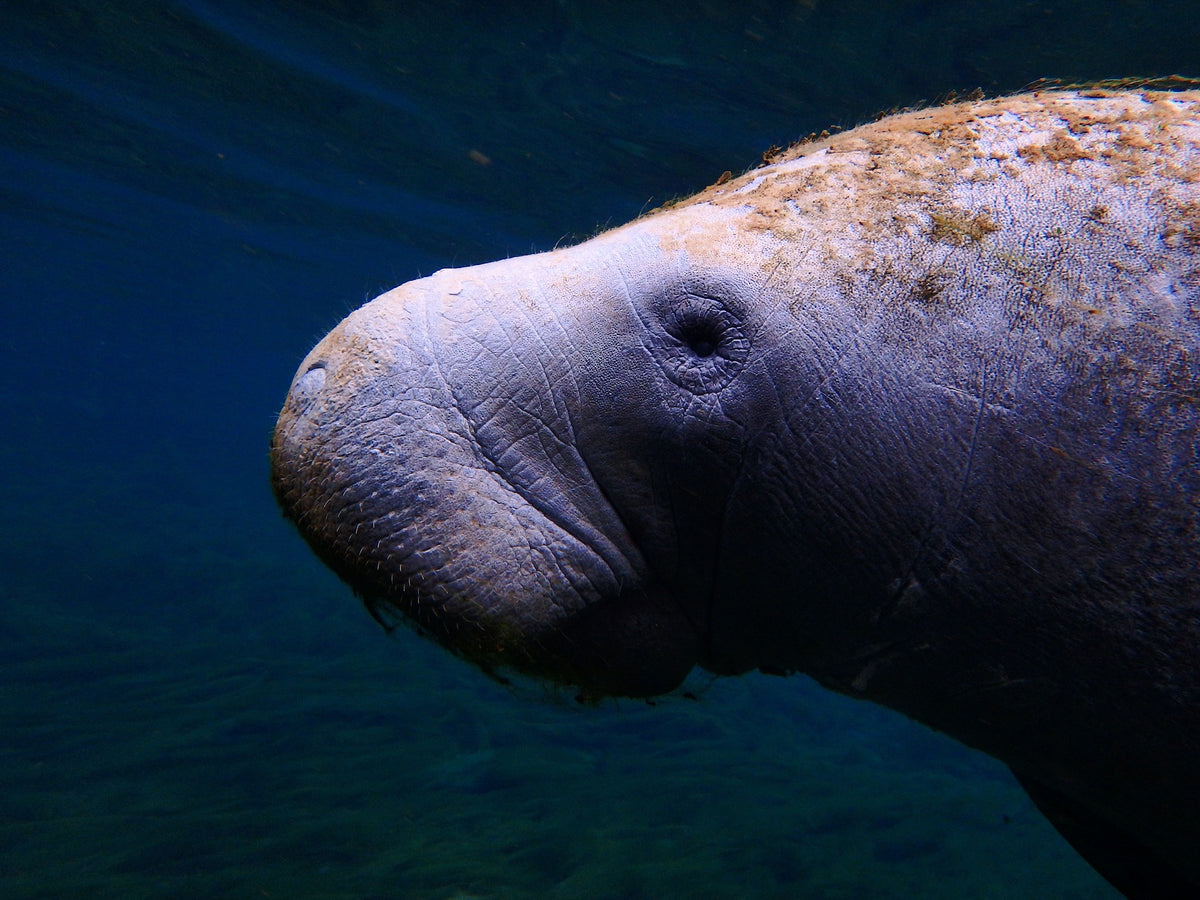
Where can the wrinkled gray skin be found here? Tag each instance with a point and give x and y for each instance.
(913, 411)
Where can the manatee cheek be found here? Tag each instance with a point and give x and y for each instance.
(639, 644)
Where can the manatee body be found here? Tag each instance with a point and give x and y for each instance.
(913, 409)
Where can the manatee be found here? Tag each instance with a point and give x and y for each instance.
(912, 409)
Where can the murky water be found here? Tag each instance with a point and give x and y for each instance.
(191, 194)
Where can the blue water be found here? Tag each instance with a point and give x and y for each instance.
(191, 194)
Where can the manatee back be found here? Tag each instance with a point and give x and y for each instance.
(1012, 293)
(1017, 286)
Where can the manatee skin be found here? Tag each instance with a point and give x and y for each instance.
(912, 409)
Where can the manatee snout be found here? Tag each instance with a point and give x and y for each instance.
(378, 460)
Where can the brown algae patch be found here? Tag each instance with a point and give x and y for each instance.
(960, 230)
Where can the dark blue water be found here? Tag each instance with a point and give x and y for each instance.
(191, 194)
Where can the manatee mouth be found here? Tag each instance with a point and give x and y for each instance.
(384, 481)
(635, 643)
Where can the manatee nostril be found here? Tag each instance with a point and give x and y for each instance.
(310, 383)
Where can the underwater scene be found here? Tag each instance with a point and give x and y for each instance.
(192, 194)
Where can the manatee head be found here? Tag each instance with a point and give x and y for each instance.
(541, 461)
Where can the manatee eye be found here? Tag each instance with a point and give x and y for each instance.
(704, 344)
(701, 338)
